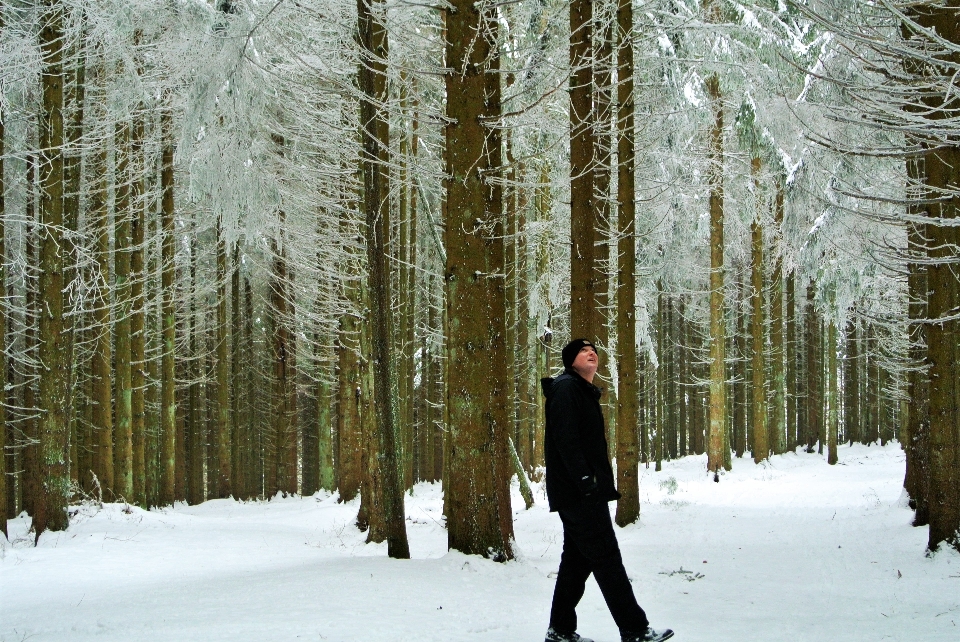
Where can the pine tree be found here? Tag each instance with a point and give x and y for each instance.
(476, 464)
(54, 392)
(375, 133)
(584, 283)
(628, 394)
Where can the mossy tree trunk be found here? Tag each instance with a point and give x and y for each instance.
(476, 459)
(716, 441)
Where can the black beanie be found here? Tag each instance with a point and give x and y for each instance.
(572, 349)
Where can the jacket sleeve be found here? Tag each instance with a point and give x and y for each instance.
(563, 417)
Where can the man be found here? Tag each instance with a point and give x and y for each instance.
(579, 485)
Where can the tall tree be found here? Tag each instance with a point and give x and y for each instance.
(476, 465)
(777, 412)
(101, 368)
(138, 222)
(3, 317)
(758, 326)
(123, 380)
(584, 315)
(223, 424)
(832, 392)
(628, 394)
(375, 138)
(54, 388)
(168, 406)
(718, 377)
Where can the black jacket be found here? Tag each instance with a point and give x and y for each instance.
(575, 443)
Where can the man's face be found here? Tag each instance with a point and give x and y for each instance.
(586, 362)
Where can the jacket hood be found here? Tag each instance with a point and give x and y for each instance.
(546, 385)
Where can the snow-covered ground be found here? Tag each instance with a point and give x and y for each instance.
(790, 550)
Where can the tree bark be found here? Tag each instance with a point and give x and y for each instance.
(777, 414)
(223, 419)
(375, 137)
(832, 392)
(194, 424)
(31, 438)
(584, 315)
(814, 405)
(760, 444)
(4, 308)
(917, 443)
(54, 385)
(792, 363)
(943, 174)
(123, 382)
(628, 393)
(137, 312)
(718, 388)
(168, 406)
(477, 468)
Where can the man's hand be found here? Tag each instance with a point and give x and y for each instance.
(588, 486)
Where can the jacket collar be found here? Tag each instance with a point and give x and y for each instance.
(596, 390)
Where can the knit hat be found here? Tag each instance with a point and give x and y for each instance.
(572, 349)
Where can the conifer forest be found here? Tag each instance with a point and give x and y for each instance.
(262, 247)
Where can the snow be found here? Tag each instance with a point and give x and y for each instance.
(792, 549)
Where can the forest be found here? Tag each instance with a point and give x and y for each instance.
(262, 247)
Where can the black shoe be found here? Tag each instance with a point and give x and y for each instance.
(650, 635)
(556, 636)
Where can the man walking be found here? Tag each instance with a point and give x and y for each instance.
(579, 485)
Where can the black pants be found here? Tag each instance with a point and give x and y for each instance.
(590, 546)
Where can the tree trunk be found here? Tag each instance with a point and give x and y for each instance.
(349, 431)
(31, 438)
(814, 405)
(605, 261)
(223, 423)
(239, 446)
(758, 327)
(792, 363)
(168, 405)
(4, 307)
(832, 392)
(123, 382)
(54, 385)
(584, 315)
(72, 157)
(194, 425)
(659, 403)
(137, 314)
(254, 457)
(628, 393)
(942, 177)
(282, 472)
(851, 384)
(740, 380)
(476, 462)
(375, 137)
(718, 389)
(682, 336)
(777, 414)
(917, 443)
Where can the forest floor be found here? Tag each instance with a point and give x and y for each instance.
(792, 549)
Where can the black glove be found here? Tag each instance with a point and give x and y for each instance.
(588, 487)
